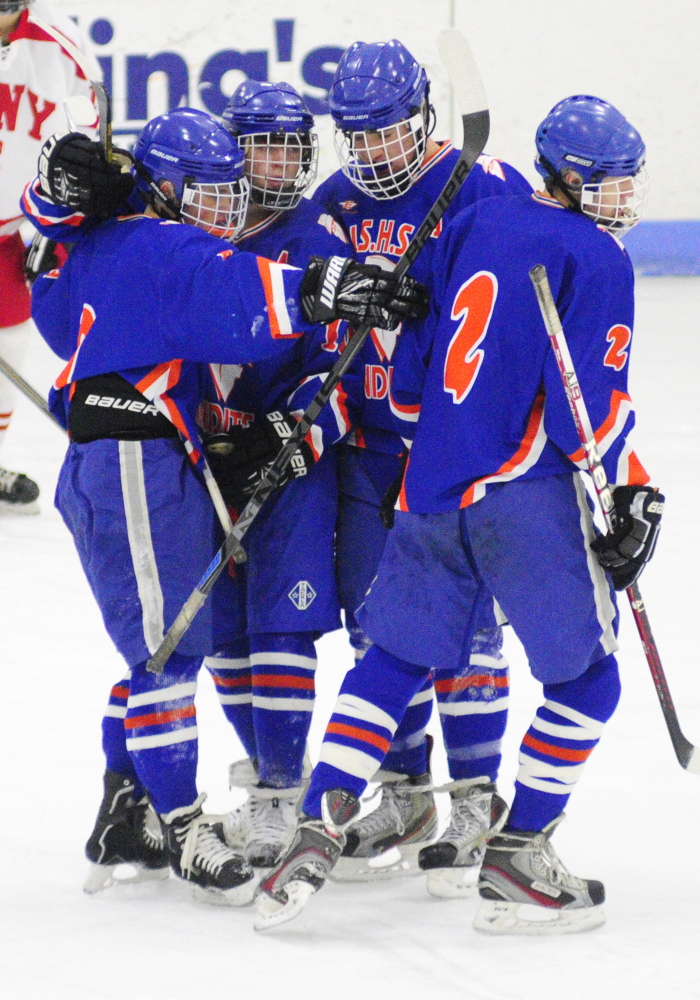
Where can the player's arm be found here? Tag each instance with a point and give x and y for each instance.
(51, 313)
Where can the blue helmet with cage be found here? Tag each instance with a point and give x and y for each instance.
(201, 159)
(584, 140)
(274, 127)
(376, 85)
(261, 106)
(379, 101)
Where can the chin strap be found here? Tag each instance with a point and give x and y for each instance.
(160, 201)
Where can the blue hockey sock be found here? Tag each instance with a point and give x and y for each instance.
(473, 708)
(230, 669)
(117, 757)
(283, 667)
(373, 699)
(408, 753)
(161, 731)
(561, 738)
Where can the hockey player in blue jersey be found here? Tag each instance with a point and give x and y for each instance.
(288, 580)
(137, 292)
(392, 171)
(492, 500)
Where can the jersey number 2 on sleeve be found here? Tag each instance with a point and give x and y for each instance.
(619, 339)
(473, 305)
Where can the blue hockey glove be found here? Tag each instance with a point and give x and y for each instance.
(624, 552)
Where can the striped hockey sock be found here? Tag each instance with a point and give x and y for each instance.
(564, 733)
(117, 757)
(283, 667)
(408, 753)
(473, 707)
(161, 731)
(373, 699)
(231, 671)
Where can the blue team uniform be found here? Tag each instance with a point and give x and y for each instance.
(379, 232)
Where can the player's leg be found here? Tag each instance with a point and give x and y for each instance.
(529, 540)
(18, 493)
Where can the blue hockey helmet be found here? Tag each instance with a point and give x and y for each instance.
(261, 106)
(274, 127)
(376, 85)
(204, 164)
(379, 103)
(584, 140)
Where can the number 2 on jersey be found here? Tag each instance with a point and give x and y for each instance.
(473, 305)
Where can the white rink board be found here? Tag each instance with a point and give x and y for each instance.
(633, 820)
(638, 54)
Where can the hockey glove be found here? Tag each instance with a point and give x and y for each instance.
(624, 552)
(240, 457)
(340, 288)
(74, 172)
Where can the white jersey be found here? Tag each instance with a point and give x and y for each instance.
(46, 61)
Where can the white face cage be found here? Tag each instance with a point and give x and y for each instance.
(383, 163)
(219, 209)
(617, 203)
(280, 166)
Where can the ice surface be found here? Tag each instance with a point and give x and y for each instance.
(633, 822)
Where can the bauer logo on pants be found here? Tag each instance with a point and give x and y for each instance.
(302, 596)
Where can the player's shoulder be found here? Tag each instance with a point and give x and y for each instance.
(336, 193)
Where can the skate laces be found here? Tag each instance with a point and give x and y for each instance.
(468, 820)
(202, 846)
(388, 814)
(546, 862)
(8, 479)
(267, 813)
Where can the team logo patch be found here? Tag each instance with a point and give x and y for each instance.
(303, 595)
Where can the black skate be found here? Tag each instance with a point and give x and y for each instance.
(525, 889)
(199, 854)
(126, 832)
(452, 862)
(308, 862)
(18, 493)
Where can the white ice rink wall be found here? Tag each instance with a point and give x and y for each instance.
(639, 54)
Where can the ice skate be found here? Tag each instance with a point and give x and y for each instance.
(308, 862)
(18, 493)
(126, 832)
(385, 843)
(525, 889)
(452, 862)
(199, 854)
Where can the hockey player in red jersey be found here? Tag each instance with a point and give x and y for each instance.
(492, 501)
(392, 170)
(43, 59)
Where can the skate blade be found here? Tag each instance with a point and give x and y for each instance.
(104, 876)
(500, 917)
(21, 509)
(452, 883)
(270, 912)
(241, 895)
(397, 862)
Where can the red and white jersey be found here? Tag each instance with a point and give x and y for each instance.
(47, 60)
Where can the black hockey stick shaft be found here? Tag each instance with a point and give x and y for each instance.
(466, 81)
(688, 755)
(26, 389)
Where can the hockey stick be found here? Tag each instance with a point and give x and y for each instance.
(688, 755)
(466, 82)
(25, 388)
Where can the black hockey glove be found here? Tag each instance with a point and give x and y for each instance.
(74, 172)
(340, 288)
(240, 457)
(624, 552)
(40, 257)
(388, 506)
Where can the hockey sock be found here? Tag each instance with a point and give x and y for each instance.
(161, 731)
(473, 707)
(230, 668)
(408, 753)
(372, 701)
(559, 742)
(359, 640)
(117, 757)
(13, 344)
(283, 667)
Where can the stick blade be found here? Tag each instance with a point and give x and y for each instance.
(459, 61)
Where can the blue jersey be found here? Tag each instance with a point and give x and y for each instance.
(235, 395)
(380, 232)
(493, 407)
